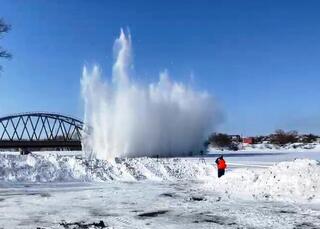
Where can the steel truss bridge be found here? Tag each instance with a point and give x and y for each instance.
(39, 130)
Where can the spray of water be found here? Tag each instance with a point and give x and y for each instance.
(127, 119)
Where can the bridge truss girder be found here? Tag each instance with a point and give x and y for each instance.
(40, 129)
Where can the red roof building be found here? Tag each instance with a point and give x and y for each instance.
(248, 140)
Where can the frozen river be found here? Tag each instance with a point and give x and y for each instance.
(145, 205)
(150, 193)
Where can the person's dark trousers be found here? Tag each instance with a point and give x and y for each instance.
(220, 172)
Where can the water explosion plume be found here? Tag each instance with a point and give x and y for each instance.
(165, 118)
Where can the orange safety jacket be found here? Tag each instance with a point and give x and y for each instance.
(222, 164)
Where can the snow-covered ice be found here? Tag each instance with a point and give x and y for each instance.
(295, 181)
(46, 190)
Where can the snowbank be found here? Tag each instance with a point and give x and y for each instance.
(266, 147)
(57, 168)
(295, 181)
(314, 147)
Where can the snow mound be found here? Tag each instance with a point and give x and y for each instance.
(55, 168)
(268, 147)
(294, 181)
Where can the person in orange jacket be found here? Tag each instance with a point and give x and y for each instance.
(221, 164)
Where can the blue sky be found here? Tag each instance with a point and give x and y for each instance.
(260, 59)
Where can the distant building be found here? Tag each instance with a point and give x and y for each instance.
(248, 140)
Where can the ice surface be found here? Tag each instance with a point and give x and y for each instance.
(145, 204)
(46, 190)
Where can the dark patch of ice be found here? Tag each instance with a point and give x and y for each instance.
(168, 194)
(216, 219)
(45, 194)
(153, 213)
(305, 225)
(286, 212)
(42, 194)
(82, 225)
(197, 198)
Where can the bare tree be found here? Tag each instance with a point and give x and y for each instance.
(280, 137)
(220, 140)
(4, 28)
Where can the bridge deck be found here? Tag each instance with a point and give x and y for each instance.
(72, 145)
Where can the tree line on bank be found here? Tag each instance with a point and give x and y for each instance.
(278, 138)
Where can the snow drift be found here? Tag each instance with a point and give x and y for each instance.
(54, 168)
(294, 181)
(297, 180)
(131, 119)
